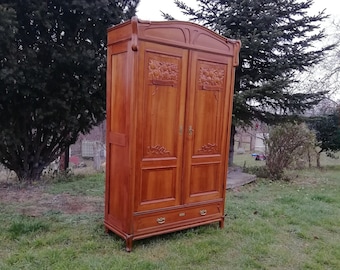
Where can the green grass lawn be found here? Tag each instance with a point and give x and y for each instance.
(269, 225)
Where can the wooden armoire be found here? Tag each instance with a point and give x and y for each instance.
(169, 106)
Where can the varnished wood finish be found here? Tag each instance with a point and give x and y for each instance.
(169, 104)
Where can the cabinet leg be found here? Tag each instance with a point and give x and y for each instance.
(221, 223)
(128, 243)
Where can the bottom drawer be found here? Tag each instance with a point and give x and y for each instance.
(170, 218)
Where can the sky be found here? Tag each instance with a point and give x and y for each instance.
(150, 9)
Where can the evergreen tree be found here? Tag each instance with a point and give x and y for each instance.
(52, 76)
(277, 40)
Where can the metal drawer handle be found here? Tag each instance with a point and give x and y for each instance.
(161, 220)
(203, 212)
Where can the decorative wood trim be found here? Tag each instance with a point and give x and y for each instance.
(158, 150)
(117, 138)
(210, 88)
(164, 83)
(186, 34)
(134, 36)
(208, 148)
(237, 48)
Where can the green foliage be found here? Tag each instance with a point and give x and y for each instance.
(52, 76)
(327, 131)
(287, 144)
(277, 40)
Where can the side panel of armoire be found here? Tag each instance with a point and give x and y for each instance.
(118, 199)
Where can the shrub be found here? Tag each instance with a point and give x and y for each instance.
(288, 144)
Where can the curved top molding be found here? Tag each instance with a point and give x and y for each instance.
(175, 33)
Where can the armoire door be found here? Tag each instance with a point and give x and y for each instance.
(160, 117)
(206, 127)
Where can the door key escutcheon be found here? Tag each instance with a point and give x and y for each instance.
(190, 131)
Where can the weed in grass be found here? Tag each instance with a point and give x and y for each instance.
(323, 198)
(52, 215)
(26, 226)
(290, 200)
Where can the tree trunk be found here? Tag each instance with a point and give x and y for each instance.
(232, 143)
(318, 154)
(309, 158)
(30, 169)
(252, 142)
(30, 175)
(64, 160)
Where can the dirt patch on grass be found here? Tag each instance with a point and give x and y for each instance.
(35, 201)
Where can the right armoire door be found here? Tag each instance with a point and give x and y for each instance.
(206, 127)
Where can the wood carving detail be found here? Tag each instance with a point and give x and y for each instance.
(161, 71)
(209, 148)
(158, 150)
(211, 77)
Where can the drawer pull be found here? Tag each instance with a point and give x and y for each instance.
(161, 220)
(203, 212)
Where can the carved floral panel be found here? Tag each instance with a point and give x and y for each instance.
(163, 71)
(211, 77)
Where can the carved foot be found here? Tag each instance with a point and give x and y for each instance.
(221, 223)
(128, 243)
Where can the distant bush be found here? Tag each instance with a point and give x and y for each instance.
(288, 145)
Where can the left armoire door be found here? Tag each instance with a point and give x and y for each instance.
(160, 126)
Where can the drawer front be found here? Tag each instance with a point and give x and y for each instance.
(169, 218)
